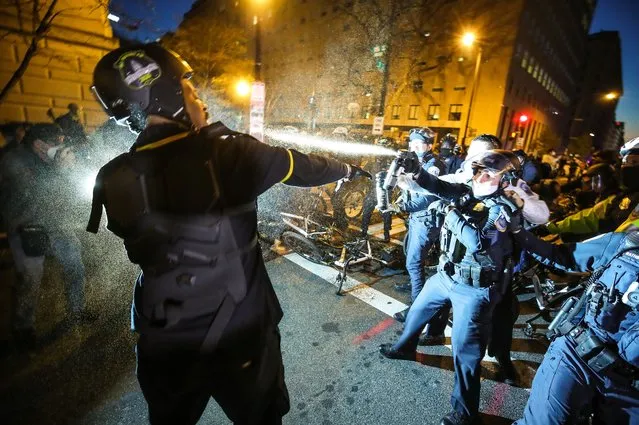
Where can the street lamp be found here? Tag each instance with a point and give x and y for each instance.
(611, 96)
(242, 88)
(468, 39)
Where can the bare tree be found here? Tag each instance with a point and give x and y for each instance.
(417, 39)
(42, 14)
(215, 45)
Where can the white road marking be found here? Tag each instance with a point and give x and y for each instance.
(370, 296)
(376, 299)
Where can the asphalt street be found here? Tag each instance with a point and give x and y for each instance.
(334, 372)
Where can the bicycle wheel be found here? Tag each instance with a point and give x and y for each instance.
(302, 246)
(354, 203)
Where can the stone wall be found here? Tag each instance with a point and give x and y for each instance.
(62, 69)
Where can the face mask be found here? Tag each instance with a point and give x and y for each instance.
(52, 151)
(630, 177)
(481, 190)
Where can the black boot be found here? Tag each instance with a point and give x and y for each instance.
(403, 287)
(389, 352)
(400, 316)
(457, 418)
(431, 340)
(507, 370)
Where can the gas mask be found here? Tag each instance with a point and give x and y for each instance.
(445, 152)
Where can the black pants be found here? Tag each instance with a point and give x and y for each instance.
(250, 389)
(504, 319)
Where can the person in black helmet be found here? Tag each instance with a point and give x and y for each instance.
(183, 199)
(447, 153)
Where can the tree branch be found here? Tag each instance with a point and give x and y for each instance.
(40, 32)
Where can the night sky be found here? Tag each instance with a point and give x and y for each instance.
(155, 17)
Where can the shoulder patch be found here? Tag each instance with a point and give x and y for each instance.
(524, 186)
(434, 170)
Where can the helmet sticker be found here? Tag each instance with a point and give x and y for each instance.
(137, 69)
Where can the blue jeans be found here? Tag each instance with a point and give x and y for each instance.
(564, 385)
(473, 310)
(65, 247)
(421, 236)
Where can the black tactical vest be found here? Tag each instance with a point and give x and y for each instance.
(164, 200)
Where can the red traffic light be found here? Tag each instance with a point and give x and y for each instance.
(523, 118)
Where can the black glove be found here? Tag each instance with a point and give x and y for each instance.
(356, 171)
(509, 220)
(409, 161)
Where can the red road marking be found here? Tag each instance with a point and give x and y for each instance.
(375, 330)
(498, 400)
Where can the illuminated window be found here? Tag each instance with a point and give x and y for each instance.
(412, 112)
(531, 65)
(433, 112)
(455, 112)
(524, 61)
(395, 112)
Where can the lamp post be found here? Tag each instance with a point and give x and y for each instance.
(468, 39)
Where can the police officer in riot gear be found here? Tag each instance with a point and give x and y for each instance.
(598, 356)
(474, 269)
(423, 231)
(447, 153)
(183, 200)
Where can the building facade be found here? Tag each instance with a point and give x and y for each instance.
(61, 71)
(334, 63)
(601, 89)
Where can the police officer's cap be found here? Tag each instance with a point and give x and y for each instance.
(631, 147)
(423, 134)
(143, 79)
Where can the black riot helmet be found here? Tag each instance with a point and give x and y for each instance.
(499, 161)
(448, 141)
(134, 82)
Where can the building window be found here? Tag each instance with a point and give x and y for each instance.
(436, 89)
(459, 88)
(524, 61)
(395, 112)
(531, 65)
(536, 71)
(412, 112)
(433, 112)
(454, 114)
